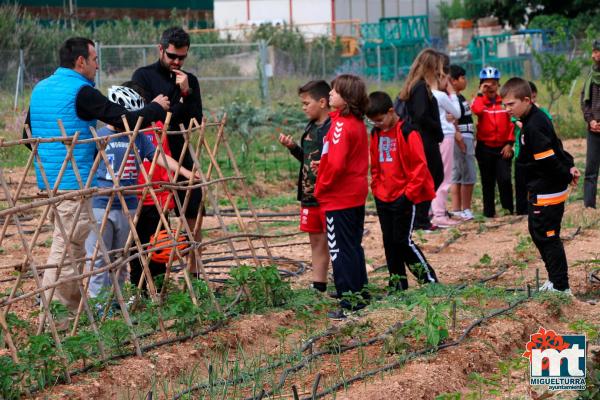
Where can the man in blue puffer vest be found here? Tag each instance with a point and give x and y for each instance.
(69, 95)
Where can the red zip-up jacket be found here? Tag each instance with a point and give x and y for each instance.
(160, 173)
(342, 176)
(494, 128)
(399, 166)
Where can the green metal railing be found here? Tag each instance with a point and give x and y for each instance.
(389, 46)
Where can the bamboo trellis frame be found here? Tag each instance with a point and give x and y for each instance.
(82, 268)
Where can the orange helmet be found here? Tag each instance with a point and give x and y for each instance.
(162, 239)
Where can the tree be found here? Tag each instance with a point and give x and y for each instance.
(558, 69)
(517, 12)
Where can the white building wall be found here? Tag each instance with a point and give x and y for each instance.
(316, 14)
(229, 13)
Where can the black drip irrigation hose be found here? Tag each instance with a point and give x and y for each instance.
(309, 343)
(403, 359)
(366, 374)
(301, 269)
(301, 265)
(150, 346)
(231, 213)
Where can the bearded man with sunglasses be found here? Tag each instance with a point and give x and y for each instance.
(183, 90)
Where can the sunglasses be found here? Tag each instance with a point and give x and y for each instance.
(174, 56)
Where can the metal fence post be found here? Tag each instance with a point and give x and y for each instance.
(396, 72)
(19, 86)
(144, 56)
(98, 46)
(264, 79)
(323, 60)
(378, 66)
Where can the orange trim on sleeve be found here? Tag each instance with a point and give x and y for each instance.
(543, 154)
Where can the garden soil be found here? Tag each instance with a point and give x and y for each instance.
(473, 250)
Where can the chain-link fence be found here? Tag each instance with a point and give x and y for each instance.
(241, 71)
(221, 68)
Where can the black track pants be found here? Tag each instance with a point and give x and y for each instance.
(494, 169)
(397, 220)
(344, 237)
(544, 227)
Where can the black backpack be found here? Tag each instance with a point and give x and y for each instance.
(401, 109)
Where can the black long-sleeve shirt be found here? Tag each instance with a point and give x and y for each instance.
(424, 112)
(90, 104)
(546, 164)
(156, 79)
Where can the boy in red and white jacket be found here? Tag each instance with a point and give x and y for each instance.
(399, 180)
(342, 187)
(495, 139)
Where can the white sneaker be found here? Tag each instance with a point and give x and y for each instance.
(549, 287)
(467, 214)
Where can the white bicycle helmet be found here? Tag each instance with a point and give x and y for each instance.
(489, 73)
(127, 97)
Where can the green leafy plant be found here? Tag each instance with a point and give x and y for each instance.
(485, 259)
(114, 333)
(434, 326)
(179, 306)
(80, 347)
(10, 378)
(524, 246)
(263, 287)
(397, 342)
(41, 361)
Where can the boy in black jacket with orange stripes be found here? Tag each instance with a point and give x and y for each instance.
(549, 170)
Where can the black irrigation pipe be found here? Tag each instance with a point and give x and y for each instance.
(302, 266)
(403, 359)
(150, 346)
(228, 213)
(369, 342)
(271, 246)
(177, 339)
(308, 344)
(159, 343)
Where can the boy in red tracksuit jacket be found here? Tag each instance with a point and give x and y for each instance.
(341, 188)
(495, 139)
(400, 179)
